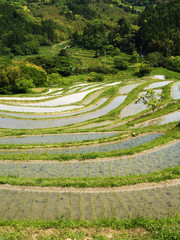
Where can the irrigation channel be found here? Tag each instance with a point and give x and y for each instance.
(54, 125)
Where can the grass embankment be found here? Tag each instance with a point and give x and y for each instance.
(167, 174)
(104, 229)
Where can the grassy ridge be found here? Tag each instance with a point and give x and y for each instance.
(170, 173)
(138, 228)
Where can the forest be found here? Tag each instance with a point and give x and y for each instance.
(150, 34)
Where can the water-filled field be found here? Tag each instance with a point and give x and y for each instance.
(156, 160)
(13, 123)
(133, 142)
(135, 108)
(176, 91)
(42, 204)
(157, 85)
(57, 138)
(171, 117)
(55, 115)
(56, 127)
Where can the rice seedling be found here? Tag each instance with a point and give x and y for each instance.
(70, 205)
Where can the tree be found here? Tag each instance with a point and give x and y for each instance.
(151, 99)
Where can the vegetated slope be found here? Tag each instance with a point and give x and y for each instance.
(159, 29)
(26, 25)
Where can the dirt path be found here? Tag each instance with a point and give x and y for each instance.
(136, 187)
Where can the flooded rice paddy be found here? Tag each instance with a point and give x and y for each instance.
(157, 84)
(64, 100)
(176, 91)
(169, 118)
(12, 123)
(135, 108)
(136, 141)
(41, 203)
(57, 138)
(145, 163)
(24, 109)
(38, 116)
(160, 77)
(128, 88)
(33, 204)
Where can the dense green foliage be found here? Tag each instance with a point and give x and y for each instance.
(20, 34)
(159, 29)
(21, 78)
(25, 27)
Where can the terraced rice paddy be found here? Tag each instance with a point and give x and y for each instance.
(176, 91)
(91, 149)
(51, 126)
(61, 138)
(157, 85)
(38, 116)
(153, 161)
(43, 204)
(32, 124)
(172, 117)
(135, 108)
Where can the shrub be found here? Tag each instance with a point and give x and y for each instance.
(119, 63)
(145, 69)
(56, 79)
(95, 77)
(23, 85)
(156, 59)
(37, 74)
(173, 63)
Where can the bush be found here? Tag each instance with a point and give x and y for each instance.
(37, 74)
(115, 52)
(156, 59)
(8, 75)
(119, 63)
(95, 77)
(145, 69)
(173, 63)
(23, 85)
(135, 57)
(56, 80)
